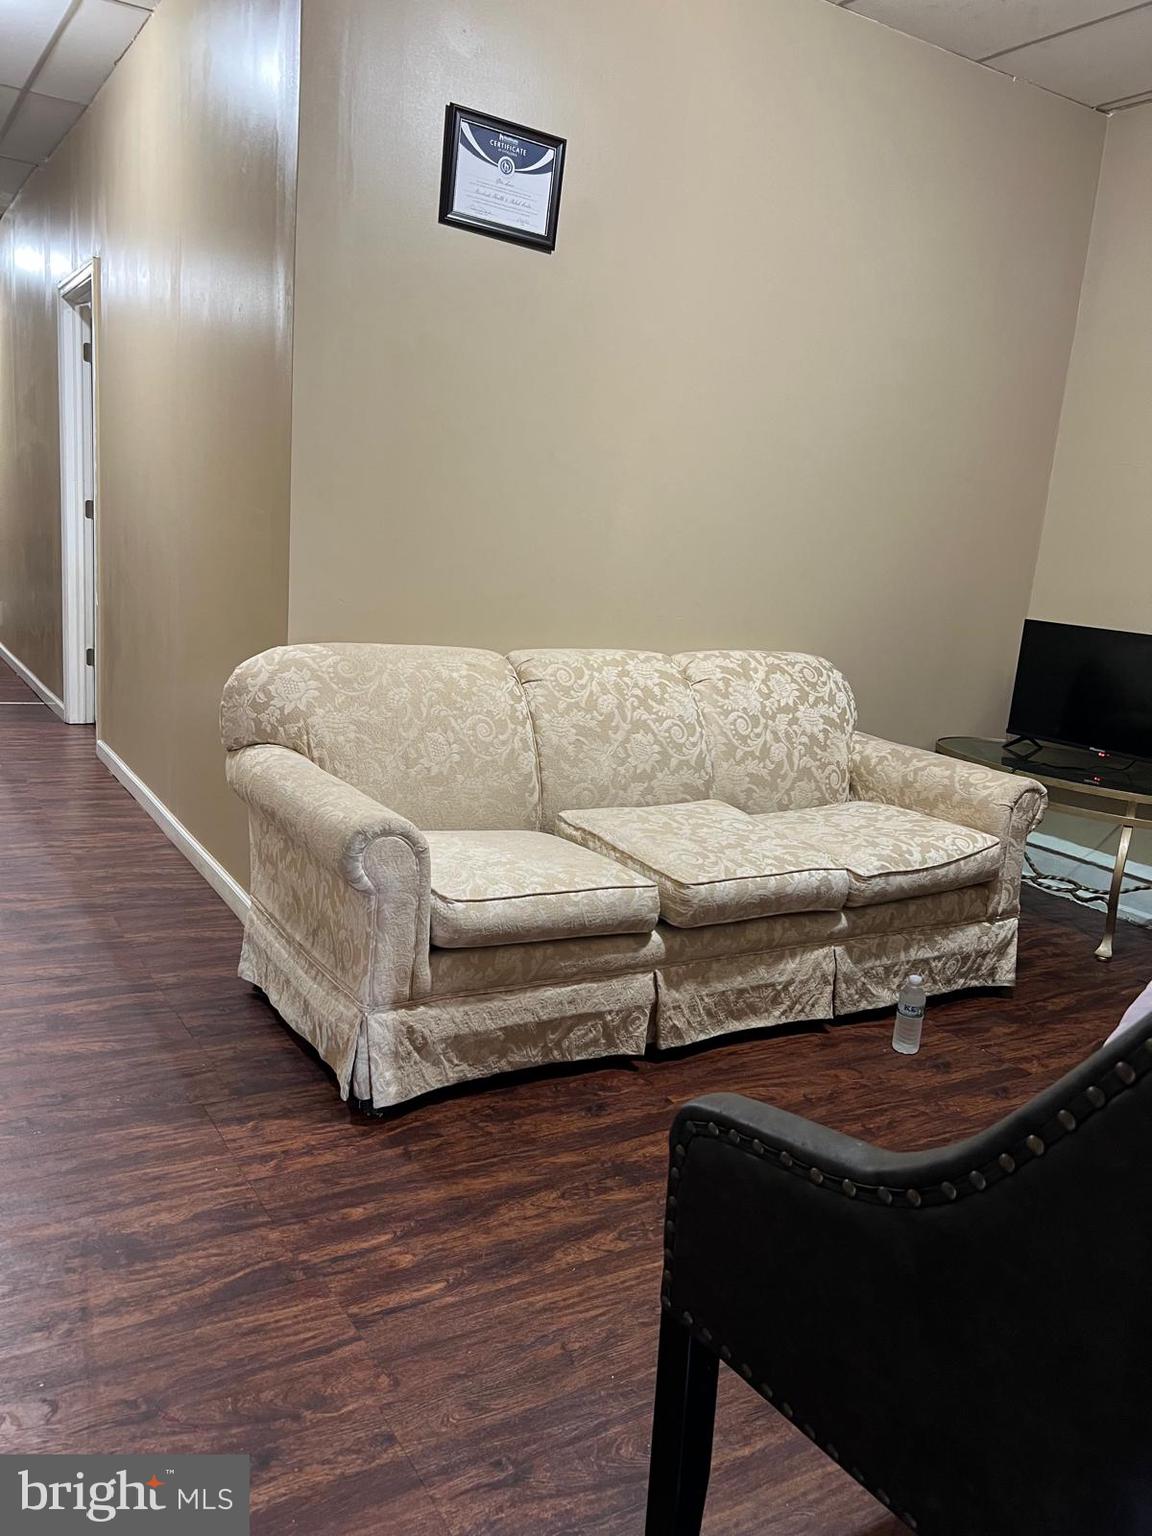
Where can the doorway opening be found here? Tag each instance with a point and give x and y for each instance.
(79, 499)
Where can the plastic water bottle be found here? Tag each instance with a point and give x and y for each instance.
(909, 1016)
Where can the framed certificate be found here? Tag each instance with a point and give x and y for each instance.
(500, 178)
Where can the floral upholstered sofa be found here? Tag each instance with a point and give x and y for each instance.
(465, 863)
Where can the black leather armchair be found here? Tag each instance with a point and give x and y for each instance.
(968, 1332)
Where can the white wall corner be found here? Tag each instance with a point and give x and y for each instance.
(230, 890)
(28, 676)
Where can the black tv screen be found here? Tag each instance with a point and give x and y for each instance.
(1084, 688)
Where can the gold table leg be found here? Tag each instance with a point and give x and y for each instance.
(1104, 948)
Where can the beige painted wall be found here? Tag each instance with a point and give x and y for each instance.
(791, 378)
(29, 451)
(181, 179)
(1096, 551)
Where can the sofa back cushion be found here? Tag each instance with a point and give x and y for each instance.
(438, 733)
(779, 725)
(612, 728)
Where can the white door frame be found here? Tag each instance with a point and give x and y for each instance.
(77, 549)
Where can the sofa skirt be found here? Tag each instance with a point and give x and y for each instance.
(871, 971)
(423, 1046)
(719, 997)
(395, 1054)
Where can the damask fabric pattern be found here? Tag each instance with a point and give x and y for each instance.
(303, 994)
(332, 921)
(1006, 902)
(779, 725)
(429, 1045)
(891, 853)
(512, 887)
(947, 909)
(509, 967)
(439, 733)
(966, 793)
(612, 728)
(344, 877)
(713, 863)
(870, 971)
(1008, 806)
(504, 967)
(716, 997)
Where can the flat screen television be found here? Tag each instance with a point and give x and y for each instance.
(1084, 687)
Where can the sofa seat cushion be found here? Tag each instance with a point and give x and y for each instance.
(711, 862)
(513, 887)
(891, 853)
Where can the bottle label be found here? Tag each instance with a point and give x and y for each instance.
(910, 1011)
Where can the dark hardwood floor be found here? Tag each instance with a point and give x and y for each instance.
(442, 1323)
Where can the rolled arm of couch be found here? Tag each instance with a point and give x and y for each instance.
(1005, 805)
(333, 821)
(344, 878)
(966, 793)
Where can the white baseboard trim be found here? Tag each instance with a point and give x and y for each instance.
(21, 671)
(230, 890)
(1060, 856)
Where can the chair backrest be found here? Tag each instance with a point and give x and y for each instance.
(779, 727)
(969, 1327)
(439, 733)
(612, 728)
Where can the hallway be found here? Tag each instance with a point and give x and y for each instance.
(440, 1323)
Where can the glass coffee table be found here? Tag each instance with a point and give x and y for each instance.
(1098, 785)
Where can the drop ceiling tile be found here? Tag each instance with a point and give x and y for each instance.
(8, 95)
(26, 26)
(39, 125)
(977, 28)
(1097, 64)
(13, 175)
(92, 42)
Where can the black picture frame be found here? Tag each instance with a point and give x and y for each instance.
(454, 118)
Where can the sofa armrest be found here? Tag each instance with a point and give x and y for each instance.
(343, 877)
(333, 821)
(1004, 805)
(966, 793)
